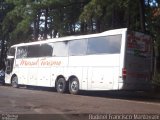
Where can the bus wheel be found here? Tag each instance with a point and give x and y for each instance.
(61, 85)
(15, 82)
(74, 86)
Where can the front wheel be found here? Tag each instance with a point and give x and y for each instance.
(61, 85)
(74, 86)
(15, 82)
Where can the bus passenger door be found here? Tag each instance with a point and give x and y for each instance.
(9, 65)
(9, 69)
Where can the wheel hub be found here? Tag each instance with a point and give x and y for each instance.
(74, 85)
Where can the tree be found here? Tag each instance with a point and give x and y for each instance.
(4, 8)
(31, 20)
(142, 14)
(16, 24)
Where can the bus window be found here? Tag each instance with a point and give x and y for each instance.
(77, 47)
(46, 50)
(108, 44)
(60, 49)
(22, 52)
(11, 52)
(33, 51)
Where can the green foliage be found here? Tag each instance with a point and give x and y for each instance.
(112, 14)
(22, 30)
(28, 19)
(92, 10)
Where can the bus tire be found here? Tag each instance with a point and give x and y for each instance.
(14, 82)
(61, 85)
(74, 86)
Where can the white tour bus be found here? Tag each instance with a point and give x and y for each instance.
(113, 60)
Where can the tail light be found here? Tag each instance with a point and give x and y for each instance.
(124, 73)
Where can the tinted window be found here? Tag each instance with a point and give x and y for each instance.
(22, 52)
(46, 50)
(60, 49)
(77, 47)
(11, 52)
(33, 51)
(107, 44)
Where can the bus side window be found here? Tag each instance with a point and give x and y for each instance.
(12, 52)
(77, 47)
(104, 45)
(60, 49)
(46, 50)
(33, 51)
(22, 52)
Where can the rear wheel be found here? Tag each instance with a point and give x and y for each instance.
(74, 86)
(61, 85)
(15, 82)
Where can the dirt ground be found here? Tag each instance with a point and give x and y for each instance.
(44, 102)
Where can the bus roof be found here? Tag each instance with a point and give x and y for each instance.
(68, 38)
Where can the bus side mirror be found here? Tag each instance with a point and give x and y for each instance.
(10, 57)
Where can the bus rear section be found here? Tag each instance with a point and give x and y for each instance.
(137, 70)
